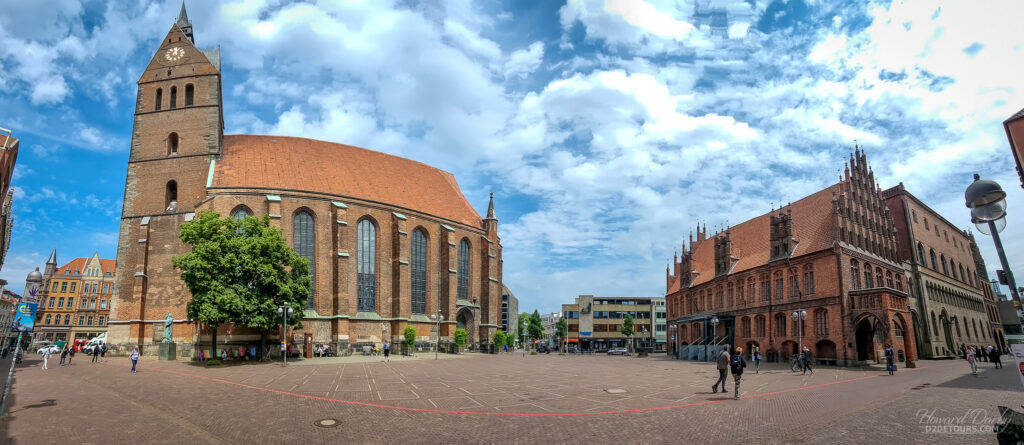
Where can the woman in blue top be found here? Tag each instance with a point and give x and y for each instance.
(135, 357)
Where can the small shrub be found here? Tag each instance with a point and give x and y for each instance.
(213, 362)
(410, 336)
(460, 338)
(533, 352)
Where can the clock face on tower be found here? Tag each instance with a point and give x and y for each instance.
(174, 54)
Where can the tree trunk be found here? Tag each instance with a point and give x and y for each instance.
(263, 344)
(213, 350)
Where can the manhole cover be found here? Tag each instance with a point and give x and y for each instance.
(326, 423)
(615, 391)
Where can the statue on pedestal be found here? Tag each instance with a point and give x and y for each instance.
(168, 326)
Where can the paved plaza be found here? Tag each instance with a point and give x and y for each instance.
(506, 398)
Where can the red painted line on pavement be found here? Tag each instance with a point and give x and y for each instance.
(490, 413)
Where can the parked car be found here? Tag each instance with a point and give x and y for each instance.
(617, 351)
(53, 349)
(543, 349)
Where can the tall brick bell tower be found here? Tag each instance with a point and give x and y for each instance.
(176, 138)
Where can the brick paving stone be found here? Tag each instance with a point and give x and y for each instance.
(174, 402)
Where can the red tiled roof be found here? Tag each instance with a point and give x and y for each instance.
(108, 266)
(291, 163)
(751, 245)
(78, 264)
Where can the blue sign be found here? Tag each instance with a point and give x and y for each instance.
(25, 317)
(582, 333)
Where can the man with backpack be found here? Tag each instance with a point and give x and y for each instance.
(736, 365)
(723, 369)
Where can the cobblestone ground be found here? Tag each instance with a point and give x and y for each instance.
(506, 398)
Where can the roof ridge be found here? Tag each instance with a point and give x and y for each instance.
(343, 145)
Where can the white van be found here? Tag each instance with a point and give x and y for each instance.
(93, 343)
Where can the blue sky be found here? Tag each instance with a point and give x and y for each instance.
(606, 129)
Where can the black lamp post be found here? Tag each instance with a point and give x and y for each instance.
(284, 311)
(987, 202)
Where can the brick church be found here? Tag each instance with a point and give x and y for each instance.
(832, 254)
(390, 241)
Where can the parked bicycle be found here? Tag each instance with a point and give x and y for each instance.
(798, 363)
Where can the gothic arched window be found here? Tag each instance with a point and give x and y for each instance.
(962, 277)
(878, 277)
(171, 197)
(945, 269)
(190, 91)
(367, 265)
(868, 283)
(174, 97)
(172, 144)
(935, 326)
(240, 213)
(419, 272)
(920, 254)
(935, 266)
(821, 323)
(159, 98)
(304, 240)
(463, 289)
(780, 325)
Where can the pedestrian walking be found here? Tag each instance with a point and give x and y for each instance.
(723, 370)
(63, 355)
(103, 351)
(963, 351)
(387, 352)
(972, 360)
(135, 358)
(95, 353)
(46, 358)
(736, 366)
(997, 358)
(71, 355)
(506, 349)
(757, 359)
(807, 360)
(890, 364)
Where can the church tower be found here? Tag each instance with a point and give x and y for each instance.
(177, 135)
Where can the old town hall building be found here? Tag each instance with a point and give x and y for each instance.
(832, 254)
(390, 241)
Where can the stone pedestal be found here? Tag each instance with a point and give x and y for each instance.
(168, 351)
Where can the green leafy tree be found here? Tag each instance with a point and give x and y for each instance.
(460, 337)
(627, 325)
(534, 327)
(499, 340)
(241, 271)
(410, 336)
(563, 330)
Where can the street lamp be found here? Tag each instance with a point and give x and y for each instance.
(284, 311)
(798, 317)
(438, 318)
(714, 326)
(987, 202)
(672, 327)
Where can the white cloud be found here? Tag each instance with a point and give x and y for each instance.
(523, 62)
